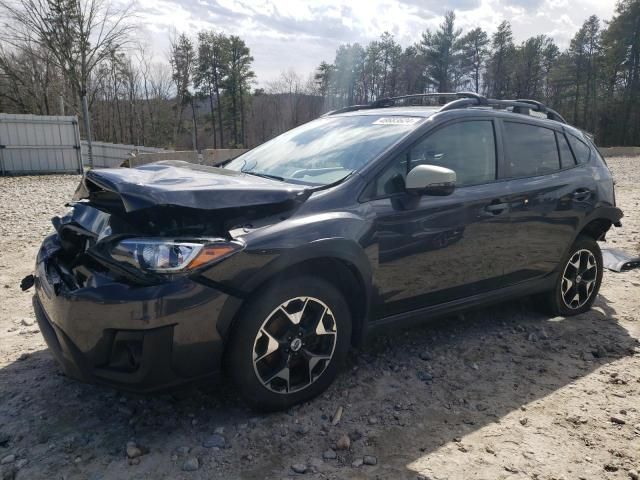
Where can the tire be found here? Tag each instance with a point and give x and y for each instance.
(276, 362)
(578, 284)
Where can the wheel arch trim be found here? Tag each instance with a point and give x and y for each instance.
(350, 255)
(597, 223)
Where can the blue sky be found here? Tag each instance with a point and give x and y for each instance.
(296, 34)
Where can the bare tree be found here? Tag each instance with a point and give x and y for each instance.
(78, 34)
(31, 80)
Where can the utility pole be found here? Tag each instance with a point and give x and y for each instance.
(194, 138)
(87, 126)
(194, 129)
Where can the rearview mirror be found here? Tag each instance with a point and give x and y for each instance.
(431, 180)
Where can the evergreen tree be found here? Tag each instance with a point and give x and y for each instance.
(238, 77)
(442, 52)
(529, 67)
(182, 58)
(475, 50)
(621, 57)
(500, 65)
(410, 72)
(213, 49)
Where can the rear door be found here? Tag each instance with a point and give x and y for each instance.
(550, 192)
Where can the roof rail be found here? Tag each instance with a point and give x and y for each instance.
(350, 108)
(551, 113)
(389, 102)
(519, 106)
(461, 100)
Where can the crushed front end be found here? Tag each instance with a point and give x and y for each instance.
(104, 324)
(120, 296)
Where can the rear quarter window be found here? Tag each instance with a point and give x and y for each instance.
(566, 156)
(580, 149)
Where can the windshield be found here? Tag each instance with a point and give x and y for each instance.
(326, 150)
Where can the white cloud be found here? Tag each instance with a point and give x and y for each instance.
(285, 34)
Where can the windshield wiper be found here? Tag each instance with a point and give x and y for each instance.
(264, 175)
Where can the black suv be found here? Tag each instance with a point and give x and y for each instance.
(274, 264)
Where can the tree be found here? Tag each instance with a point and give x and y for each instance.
(577, 55)
(528, 71)
(31, 83)
(500, 63)
(324, 78)
(237, 80)
(549, 64)
(595, 82)
(442, 55)
(410, 72)
(77, 34)
(182, 59)
(621, 52)
(593, 53)
(213, 50)
(378, 77)
(296, 100)
(349, 73)
(475, 45)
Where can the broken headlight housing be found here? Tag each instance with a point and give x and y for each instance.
(171, 255)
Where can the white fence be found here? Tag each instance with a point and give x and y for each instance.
(113, 154)
(31, 144)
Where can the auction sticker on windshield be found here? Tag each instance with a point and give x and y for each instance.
(396, 121)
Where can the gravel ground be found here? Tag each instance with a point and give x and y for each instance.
(503, 392)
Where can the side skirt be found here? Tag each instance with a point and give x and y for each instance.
(422, 315)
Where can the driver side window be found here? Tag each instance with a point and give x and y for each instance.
(468, 148)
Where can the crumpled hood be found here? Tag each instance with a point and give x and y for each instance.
(183, 184)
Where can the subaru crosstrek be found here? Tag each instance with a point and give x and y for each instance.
(271, 266)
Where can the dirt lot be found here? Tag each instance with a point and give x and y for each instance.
(504, 392)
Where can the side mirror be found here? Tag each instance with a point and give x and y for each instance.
(431, 180)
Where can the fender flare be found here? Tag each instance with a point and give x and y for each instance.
(340, 249)
(604, 212)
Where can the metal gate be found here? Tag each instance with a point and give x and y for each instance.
(33, 144)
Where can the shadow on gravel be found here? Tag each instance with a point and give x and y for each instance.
(487, 364)
(404, 396)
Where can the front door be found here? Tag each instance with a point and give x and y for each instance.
(429, 249)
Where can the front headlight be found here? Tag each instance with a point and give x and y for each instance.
(171, 255)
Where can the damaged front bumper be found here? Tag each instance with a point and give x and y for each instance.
(134, 337)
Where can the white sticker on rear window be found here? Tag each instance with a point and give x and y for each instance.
(396, 121)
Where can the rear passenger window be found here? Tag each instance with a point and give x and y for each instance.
(529, 150)
(580, 149)
(566, 157)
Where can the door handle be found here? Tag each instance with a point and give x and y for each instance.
(582, 194)
(496, 207)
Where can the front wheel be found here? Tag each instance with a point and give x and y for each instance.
(579, 281)
(287, 345)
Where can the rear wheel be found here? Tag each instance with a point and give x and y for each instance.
(288, 344)
(579, 280)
